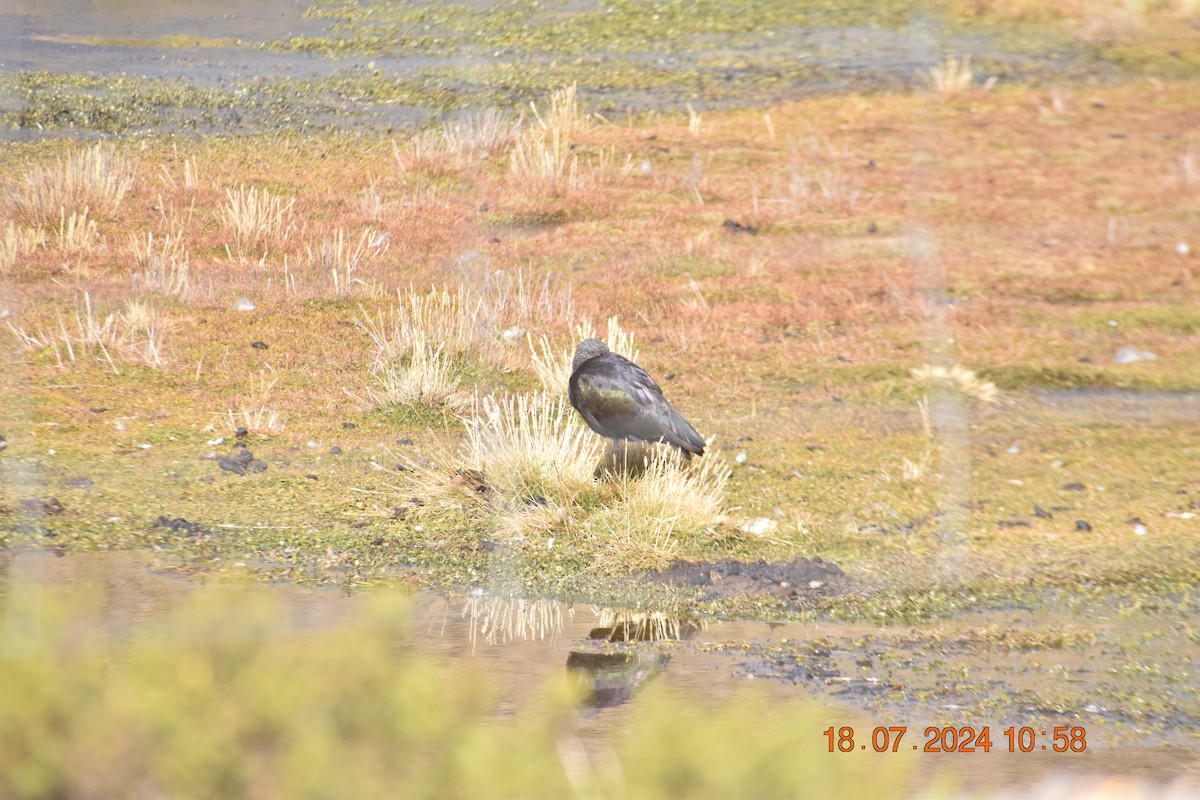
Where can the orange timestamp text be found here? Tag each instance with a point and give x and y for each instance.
(967, 739)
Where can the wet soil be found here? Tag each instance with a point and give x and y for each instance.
(787, 583)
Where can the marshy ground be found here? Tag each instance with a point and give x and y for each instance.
(943, 334)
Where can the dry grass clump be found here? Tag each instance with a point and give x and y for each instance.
(95, 178)
(543, 160)
(457, 143)
(77, 233)
(950, 78)
(530, 468)
(163, 264)
(958, 378)
(531, 446)
(424, 377)
(341, 256)
(482, 323)
(553, 367)
(257, 414)
(255, 218)
(16, 242)
(134, 334)
(666, 502)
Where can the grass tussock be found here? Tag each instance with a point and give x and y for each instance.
(135, 334)
(77, 233)
(950, 78)
(458, 143)
(258, 413)
(341, 255)
(545, 159)
(424, 377)
(959, 379)
(484, 321)
(163, 264)
(94, 178)
(531, 470)
(255, 218)
(16, 242)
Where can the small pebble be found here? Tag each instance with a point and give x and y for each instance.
(404, 441)
(217, 441)
(349, 425)
(243, 456)
(1013, 450)
(1041, 513)
(241, 433)
(740, 457)
(256, 466)
(243, 304)
(81, 482)
(1073, 487)
(260, 345)
(335, 451)
(1182, 248)
(1082, 525)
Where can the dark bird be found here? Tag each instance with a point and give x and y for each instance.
(620, 401)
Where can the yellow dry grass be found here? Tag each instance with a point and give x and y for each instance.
(94, 178)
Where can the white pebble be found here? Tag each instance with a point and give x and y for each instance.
(1128, 355)
(1182, 248)
(740, 457)
(243, 304)
(1139, 529)
(760, 526)
(217, 441)
(1013, 449)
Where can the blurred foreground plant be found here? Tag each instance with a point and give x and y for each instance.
(222, 697)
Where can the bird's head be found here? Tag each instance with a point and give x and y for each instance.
(587, 350)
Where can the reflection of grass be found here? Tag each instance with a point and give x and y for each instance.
(216, 697)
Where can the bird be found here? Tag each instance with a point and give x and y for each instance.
(620, 401)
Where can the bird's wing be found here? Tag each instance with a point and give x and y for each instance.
(620, 400)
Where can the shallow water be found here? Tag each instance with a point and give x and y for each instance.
(862, 674)
(238, 46)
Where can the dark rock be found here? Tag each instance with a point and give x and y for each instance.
(1073, 487)
(335, 451)
(872, 228)
(1014, 522)
(406, 441)
(843, 359)
(1082, 525)
(241, 433)
(399, 512)
(181, 525)
(230, 465)
(260, 345)
(3, 443)
(35, 507)
(378, 541)
(1041, 513)
(312, 477)
(1085, 360)
(358, 525)
(98, 410)
(256, 466)
(349, 425)
(243, 456)
(736, 227)
(82, 482)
